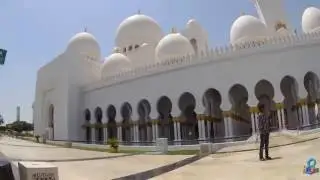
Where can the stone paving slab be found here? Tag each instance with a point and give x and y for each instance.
(288, 164)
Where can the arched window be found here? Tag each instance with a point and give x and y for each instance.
(124, 50)
(136, 46)
(130, 48)
(194, 45)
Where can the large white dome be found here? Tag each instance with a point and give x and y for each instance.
(138, 29)
(247, 28)
(311, 20)
(114, 64)
(85, 44)
(173, 45)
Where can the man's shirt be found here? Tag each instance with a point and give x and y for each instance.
(264, 123)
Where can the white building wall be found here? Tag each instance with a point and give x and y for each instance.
(49, 90)
(245, 67)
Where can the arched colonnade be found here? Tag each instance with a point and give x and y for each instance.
(214, 125)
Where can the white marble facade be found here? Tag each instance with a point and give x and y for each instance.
(176, 86)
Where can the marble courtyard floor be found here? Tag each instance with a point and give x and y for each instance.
(73, 163)
(287, 165)
(101, 169)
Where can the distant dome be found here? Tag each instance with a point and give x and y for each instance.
(114, 64)
(194, 25)
(138, 29)
(311, 20)
(173, 45)
(84, 43)
(247, 28)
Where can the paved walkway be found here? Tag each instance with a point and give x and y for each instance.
(84, 170)
(288, 164)
(28, 151)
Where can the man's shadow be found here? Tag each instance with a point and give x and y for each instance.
(275, 158)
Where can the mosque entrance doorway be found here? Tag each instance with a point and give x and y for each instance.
(264, 93)
(189, 122)
(311, 84)
(212, 101)
(240, 112)
(145, 131)
(126, 111)
(51, 123)
(112, 125)
(99, 128)
(289, 89)
(87, 116)
(164, 107)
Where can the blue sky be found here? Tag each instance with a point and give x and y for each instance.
(35, 31)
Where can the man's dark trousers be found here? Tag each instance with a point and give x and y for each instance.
(264, 143)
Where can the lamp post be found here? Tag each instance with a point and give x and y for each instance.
(3, 54)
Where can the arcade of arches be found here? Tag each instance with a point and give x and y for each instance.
(214, 125)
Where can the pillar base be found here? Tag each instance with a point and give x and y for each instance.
(177, 142)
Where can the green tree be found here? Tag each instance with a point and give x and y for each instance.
(20, 126)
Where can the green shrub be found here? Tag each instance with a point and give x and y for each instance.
(114, 144)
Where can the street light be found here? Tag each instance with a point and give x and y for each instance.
(3, 54)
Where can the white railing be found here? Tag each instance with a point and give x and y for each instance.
(207, 56)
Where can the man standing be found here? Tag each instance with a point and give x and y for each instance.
(264, 128)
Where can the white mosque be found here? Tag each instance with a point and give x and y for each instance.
(175, 86)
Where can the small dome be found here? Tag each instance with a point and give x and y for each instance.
(84, 43)
(114, 64)
(138, 29)
(311, 20)
(173, 45)
(193, 23)
(247, 28)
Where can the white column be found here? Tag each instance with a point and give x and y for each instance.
(279, 119)
(203, 129)
(105, 131)
(253, 123)
(175, 131)
(307, 121)
(119, 133)
(179, 131)
(137, 133)
(93, 135)
(226, 127)
(153, 132)
(200, 129)
(157, 131)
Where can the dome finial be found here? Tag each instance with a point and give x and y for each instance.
(242, 13)
(173, 30)
(116, 50)
(139, 11)
(85, 29)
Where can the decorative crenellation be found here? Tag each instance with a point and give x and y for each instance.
(212, 55)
